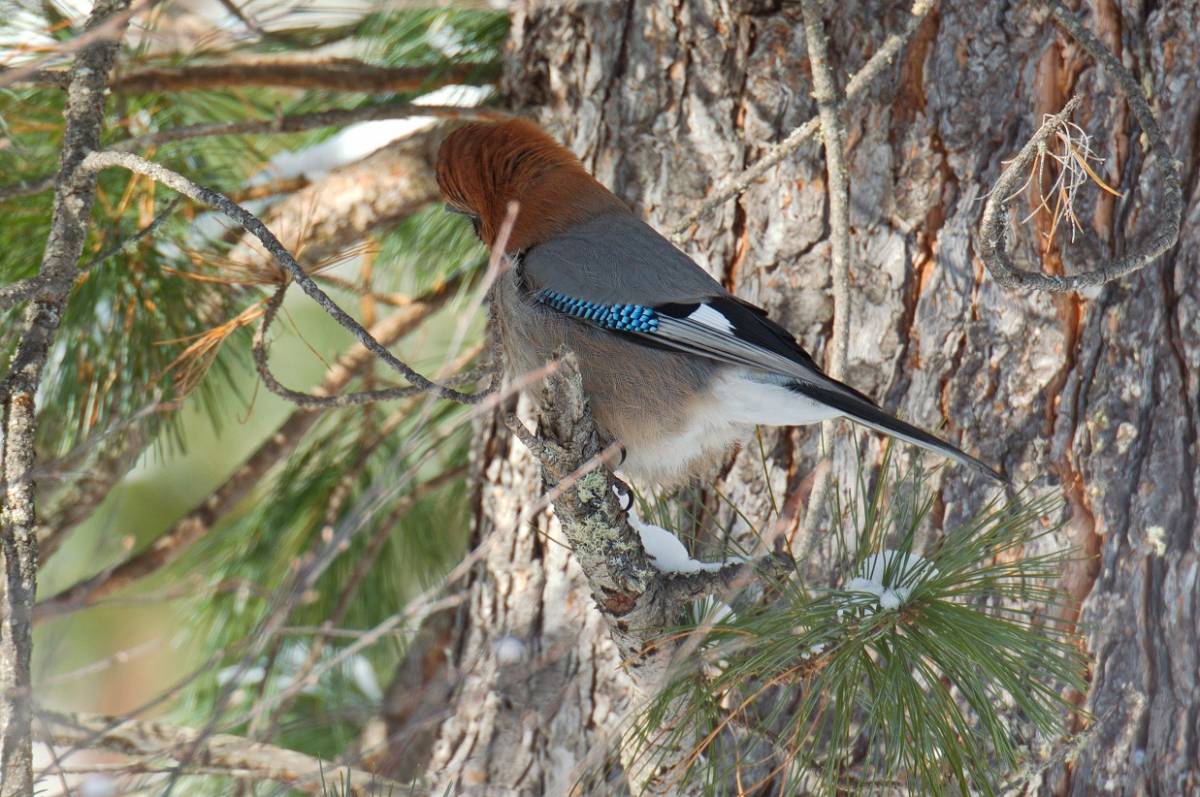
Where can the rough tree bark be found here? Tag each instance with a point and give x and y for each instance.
(1093, 396)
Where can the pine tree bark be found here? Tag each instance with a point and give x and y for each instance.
(1092, 396)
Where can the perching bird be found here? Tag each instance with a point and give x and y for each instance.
(675, 367)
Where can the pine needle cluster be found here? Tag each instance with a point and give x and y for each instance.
(924, 664)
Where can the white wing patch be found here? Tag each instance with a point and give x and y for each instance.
(704, 314)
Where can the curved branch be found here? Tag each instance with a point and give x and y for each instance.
(311, 400)
(99, 161)
(994, 226)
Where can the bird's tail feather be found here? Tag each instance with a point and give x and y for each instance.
(866, 413)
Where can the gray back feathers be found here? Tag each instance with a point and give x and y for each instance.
(618, 258)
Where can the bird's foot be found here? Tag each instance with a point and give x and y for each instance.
(624, 494)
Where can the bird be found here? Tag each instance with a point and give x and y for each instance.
(676, 369)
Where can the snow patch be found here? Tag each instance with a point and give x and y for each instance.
(359, 140)
(890, 576)
(668, 554)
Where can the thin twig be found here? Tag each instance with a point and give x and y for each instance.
(1163, 233)
(838, 186)
(309, 400)
(129, 244)
(99, 161)
(855, 90)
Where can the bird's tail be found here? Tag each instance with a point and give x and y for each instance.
(861, 410)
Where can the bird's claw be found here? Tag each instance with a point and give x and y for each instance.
(624, 494)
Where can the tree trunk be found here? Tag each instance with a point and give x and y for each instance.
(1092, 396)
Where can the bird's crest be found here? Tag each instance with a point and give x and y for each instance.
(482, 166)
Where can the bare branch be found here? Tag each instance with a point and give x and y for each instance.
(308, 400)
(1164, 233)
(298, 123)
(337, 210)
(854, 91)
(336, 74)
(833, 133)
(242, 757)
(74, 194)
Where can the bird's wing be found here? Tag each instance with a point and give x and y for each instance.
(618, 274)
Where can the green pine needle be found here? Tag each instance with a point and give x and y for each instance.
(925, 672)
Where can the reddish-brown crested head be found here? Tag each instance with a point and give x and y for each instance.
(483, 166)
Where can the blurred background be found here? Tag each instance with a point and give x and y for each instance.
(152, 407)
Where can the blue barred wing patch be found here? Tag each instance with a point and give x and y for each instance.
(620, 317)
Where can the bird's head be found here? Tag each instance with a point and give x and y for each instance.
(483, 166)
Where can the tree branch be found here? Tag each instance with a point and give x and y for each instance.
(309, 400)
(336, 74)
(298, 123)
(99, 161)
(295, 123)
(244, 758)
(75, 192)
(777, 152)
(1164, 233)
(349, 203)
(833, 134)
